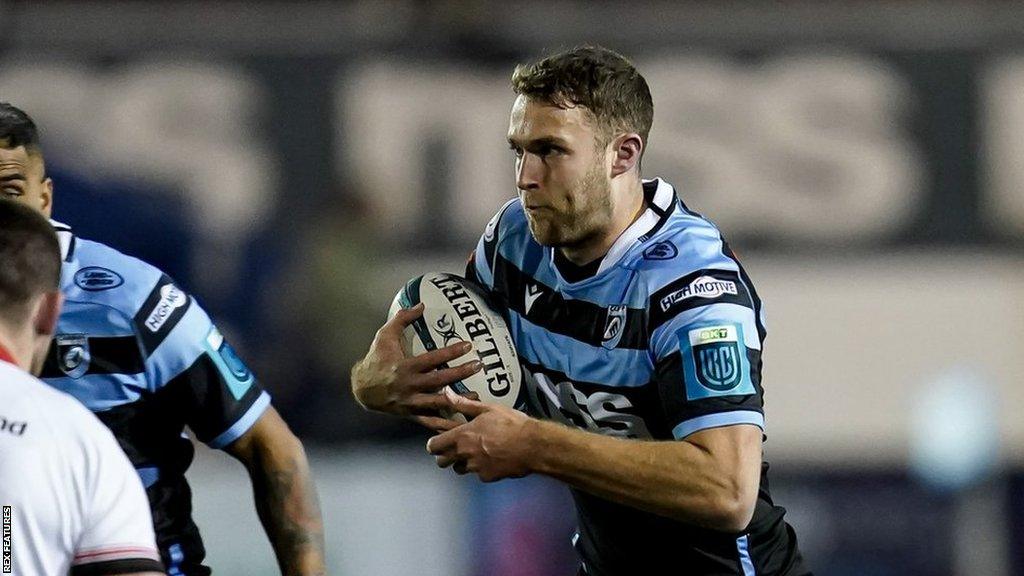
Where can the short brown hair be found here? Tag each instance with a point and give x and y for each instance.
(29, 259)
(599, 79)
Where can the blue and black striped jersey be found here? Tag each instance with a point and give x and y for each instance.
(662, 340)
(144, 356)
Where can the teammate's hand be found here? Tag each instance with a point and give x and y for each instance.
(493, 444)
(387, 380)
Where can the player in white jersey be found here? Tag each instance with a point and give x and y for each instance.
(71, 502)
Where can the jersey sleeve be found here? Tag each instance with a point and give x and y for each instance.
(189, 361)
(117, 535)
(706, 344)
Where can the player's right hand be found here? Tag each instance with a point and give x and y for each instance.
(387, 380)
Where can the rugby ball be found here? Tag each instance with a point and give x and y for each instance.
(456, 309)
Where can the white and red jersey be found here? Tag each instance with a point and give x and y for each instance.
(72, 503)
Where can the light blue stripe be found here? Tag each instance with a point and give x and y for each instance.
(700, 246)
(148, 475)
(743, 546)
(243, 424)
(577, 360)
(100, 392)
(664, 341)
(177, 557)
(93, 319)
(684, 429)
(180, 349)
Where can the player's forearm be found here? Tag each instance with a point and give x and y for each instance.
(289, 509)
(677, 479)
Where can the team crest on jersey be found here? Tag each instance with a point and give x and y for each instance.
(95, 279)
(73, 354)
(613, 327)
(661, 251)
(714, 361)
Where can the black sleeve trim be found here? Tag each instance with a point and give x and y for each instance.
(122, 566)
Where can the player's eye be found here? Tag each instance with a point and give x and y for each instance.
(516, 150)
(10, 192)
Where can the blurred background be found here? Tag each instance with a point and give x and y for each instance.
(293, 163)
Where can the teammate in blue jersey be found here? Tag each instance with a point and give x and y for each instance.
(640, 336)
(143, 355)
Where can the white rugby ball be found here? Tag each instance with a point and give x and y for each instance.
(455, 309)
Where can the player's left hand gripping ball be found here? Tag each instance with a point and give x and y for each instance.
(494, 444)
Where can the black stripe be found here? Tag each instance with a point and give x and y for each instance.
(650, 189)
(125, 566)
(644, 401)
(755, 299)
(669, 374)
(107, 355)
(682, 295)
(158, 315)
(577, 319)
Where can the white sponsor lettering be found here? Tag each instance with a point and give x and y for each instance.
(171, 298)
(704, 287)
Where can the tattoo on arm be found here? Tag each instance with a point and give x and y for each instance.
(289, 509)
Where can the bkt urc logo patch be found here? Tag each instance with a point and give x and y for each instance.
(715, 361)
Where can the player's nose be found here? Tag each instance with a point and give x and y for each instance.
(528, 172)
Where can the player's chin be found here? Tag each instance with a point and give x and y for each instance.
(545, 232)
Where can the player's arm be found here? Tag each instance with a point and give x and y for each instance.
(710, 478)
(286, 498)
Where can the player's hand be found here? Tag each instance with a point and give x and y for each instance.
(386, 380)
(493, 445)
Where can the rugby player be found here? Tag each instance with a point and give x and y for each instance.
(72, 502)
(640, 336)
(144, 356)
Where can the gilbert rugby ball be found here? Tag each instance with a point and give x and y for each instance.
(455, 309)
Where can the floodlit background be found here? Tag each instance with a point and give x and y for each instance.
(293, 163)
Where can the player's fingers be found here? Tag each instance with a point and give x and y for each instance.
(426, 403)
(435, 423)
(445, 460)
(460, 467)
(443, 442)
(402, 318)
(463, 405)
(440, 378)
(434, 358)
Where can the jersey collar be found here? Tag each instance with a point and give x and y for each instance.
(659, 196)
(66, 238)
(6, 356)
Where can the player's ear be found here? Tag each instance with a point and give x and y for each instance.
(626, 149)
(47, 197)
(44, 321)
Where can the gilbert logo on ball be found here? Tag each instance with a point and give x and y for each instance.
(455, 309)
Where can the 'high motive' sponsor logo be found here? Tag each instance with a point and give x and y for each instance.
(171, 298)
(703, 287)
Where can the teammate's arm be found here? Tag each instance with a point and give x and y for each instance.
(286, 498)
(709, 478)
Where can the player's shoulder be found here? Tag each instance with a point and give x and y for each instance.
(103, 275)
(508, 222)
(687, 244)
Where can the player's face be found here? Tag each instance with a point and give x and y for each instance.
(561, 173)
(23, 178)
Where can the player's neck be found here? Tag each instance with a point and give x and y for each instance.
(623, 216)
(17, 351)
